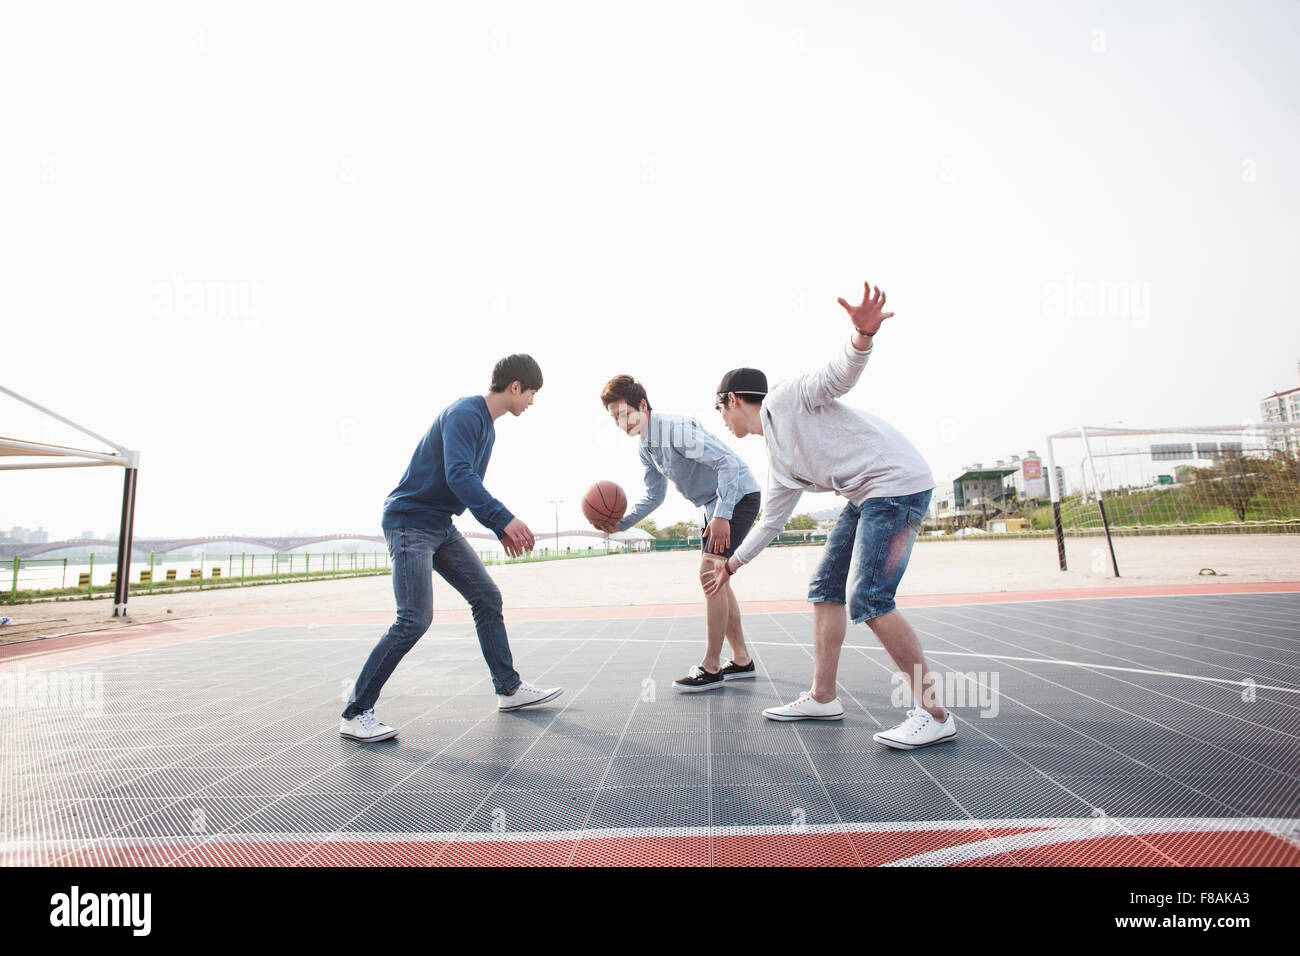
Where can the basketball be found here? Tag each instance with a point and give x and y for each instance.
(604, 501)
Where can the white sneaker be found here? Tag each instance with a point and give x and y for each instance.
(526, 695)
(806, 708)
(919, 730)
(365, 728)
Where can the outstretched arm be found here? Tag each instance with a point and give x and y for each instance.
(842, 372)
(778, 503)
(656, 486)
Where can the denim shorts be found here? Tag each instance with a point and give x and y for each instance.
(876, 538)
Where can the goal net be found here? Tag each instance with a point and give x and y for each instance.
(1196, 479)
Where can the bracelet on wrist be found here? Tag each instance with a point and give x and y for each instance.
(866, 335)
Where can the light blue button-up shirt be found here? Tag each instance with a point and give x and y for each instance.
(707, 473)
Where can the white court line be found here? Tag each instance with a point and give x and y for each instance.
(172, 801)
(436, 623)
(857, 647)
(700, 613)
(1090, 628)
(1069, 828)
(1235, 621)
(347, 760)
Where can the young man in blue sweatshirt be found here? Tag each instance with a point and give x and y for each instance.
(710, 476)
(444, 478)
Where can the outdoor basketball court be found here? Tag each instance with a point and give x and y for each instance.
(1139, 730)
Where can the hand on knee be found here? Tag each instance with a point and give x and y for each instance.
(705, 572)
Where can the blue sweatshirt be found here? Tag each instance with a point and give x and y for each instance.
(446, 472)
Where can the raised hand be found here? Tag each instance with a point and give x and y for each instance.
(867, 317)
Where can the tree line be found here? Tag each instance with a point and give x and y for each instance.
(689, 529)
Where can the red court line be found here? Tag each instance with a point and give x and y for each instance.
(870, 848)
(1244, 848)
(763, 849)
(100, 644)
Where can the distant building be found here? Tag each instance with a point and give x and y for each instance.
(1283, 407)
(39, 536)
(1030, 478)
(18, 534)
(979, 493)
(973, 494)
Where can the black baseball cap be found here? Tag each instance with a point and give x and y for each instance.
(743, 381)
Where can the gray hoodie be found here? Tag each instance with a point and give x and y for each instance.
(815, 443)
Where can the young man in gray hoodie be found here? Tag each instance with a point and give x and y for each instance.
(816, 443)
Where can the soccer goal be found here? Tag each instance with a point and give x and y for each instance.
(1197, 479)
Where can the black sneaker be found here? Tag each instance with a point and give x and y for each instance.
(698, 679)
(734, 671)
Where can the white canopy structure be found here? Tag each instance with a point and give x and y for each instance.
(635, 538)
(15, 454)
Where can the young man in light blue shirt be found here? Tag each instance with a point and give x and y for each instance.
(709, 475)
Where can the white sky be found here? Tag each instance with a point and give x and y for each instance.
(266, 243)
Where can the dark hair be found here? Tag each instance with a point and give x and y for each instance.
(519, 368)
(624, 388)
(746, 398)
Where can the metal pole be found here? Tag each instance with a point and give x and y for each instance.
(1101, 505)
(557, 502)
(124, 539)
(1055, 489)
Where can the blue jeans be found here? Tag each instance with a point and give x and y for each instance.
(415, 553)
(876, 537)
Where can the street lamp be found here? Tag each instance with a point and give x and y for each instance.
(557, 502)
